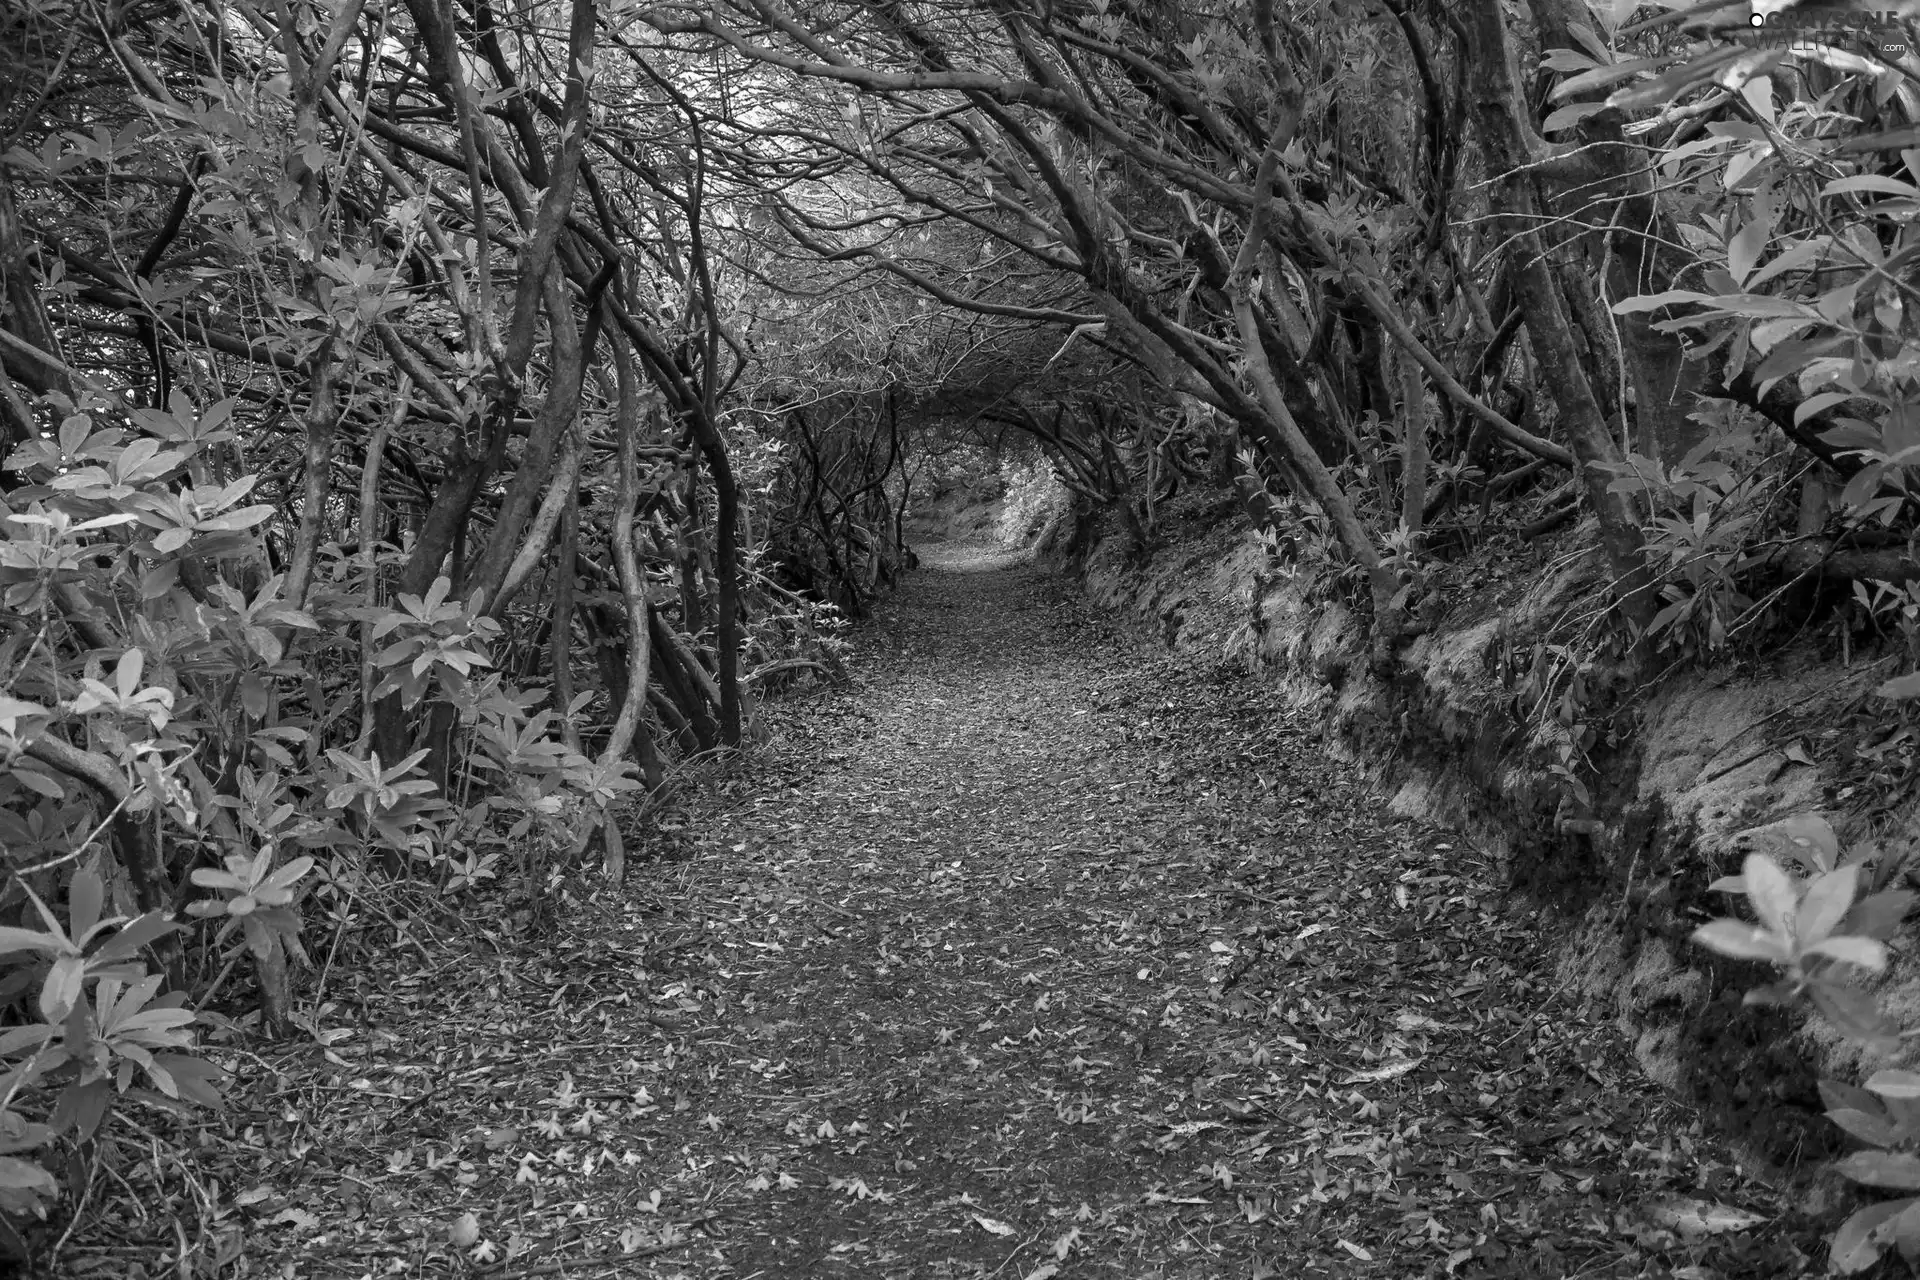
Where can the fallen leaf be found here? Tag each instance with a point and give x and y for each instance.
(994, 1225)
(1392, 1071)
(1187, 1128)
(298, 1219)
(1701, 1217)
(1407, 1020)
(1355, 1250)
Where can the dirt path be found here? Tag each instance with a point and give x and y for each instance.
(1051, 953)
(1036, 953)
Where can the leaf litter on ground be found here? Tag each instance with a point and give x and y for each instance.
(1036, 952)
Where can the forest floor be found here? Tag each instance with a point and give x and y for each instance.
(1036, 952)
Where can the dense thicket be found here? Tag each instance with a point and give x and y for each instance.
(427, 423)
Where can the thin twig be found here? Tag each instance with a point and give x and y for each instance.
(79, 1209)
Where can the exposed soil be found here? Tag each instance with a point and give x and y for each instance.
(1037, 952)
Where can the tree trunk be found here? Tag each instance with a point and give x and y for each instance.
(1413, 432)
(727, 568)
(316, 471)
(555, 509)
(633, 581)
(560, 631)
(1285, 439)
(1510, 147)
(276, 990)
(34, 362)
(545, 453)
(310, 214)
(670, 715)
(1637, 253)
(369, 517)
(687, 682)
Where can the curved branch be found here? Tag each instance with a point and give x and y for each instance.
(103, 777)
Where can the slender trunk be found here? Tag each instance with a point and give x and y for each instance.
(369, 533)
(652, 770)
(1637, 252)
(35, 361)
(1506, 140)
(560, 633)
(555, 509)
(473, 460)
(1413, 430)
(447, 515)
(609, 656)
(1389, 318)
(633, 582)
(31, 358)
(687, 682)
(1286, 438)
(900, 512)
(670, 716)
(557, 200)
(727, 568)
(816, 484)
(149, 333)
(692, 611)
(443, 720)
(633, 590)
(698, 407)
(276, 991)
(325, 365)
(553, 427)
(316, 483)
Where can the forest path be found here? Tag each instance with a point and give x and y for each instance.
(1040, 952)
(1035, 953)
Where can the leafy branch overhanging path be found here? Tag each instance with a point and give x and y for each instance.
(1038, 953)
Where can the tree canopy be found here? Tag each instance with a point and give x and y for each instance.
(427, 425)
